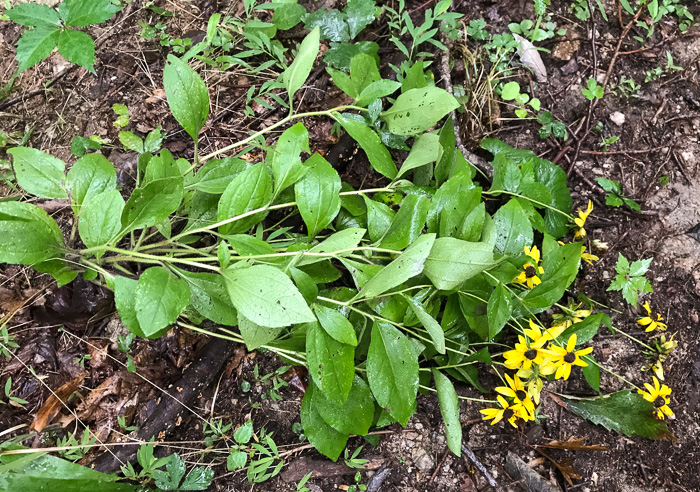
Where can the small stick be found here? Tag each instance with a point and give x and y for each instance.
(479, 466)
(439, 465)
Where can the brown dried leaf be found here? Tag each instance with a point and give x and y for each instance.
(53, 403)
(574, 444)
(565, 467)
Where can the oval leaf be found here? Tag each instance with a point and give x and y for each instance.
(449, 408)
(378, 155)
(160, 298)
(417, 110)
(354, 416)
(453, 261)
(187, 95)
(249, 190)
(100, 220)
(90, 175)
(27, 234)
(331, 364)
(39, 173)
(324, 438)
(317, 194)
(297, 73)
(266, 296)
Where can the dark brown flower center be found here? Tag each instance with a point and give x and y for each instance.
(507, 414)
(570, 357)
(530, 271)
(531, 354)
(520, 395)
(659, 402)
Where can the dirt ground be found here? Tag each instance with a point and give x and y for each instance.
(658, 138)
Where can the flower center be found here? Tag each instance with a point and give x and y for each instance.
(659, 402)
(570, 357)
(520, 395)
(530, 271)
(531, 354)
(507, 414)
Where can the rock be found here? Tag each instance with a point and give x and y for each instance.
(617, 118)
(423, 461)
(570, 68)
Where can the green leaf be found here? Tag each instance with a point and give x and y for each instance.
(426, 149)
(513, 229)
(36, 45)
(331, 364)
(255, 335)
(27, 234)
(377, 89)
(151, 204)
(80, 145)
(83, 13)
(344, 82)
(392, 371)
(209, 297)
(37, 471)
(407, 224)
(336, 325)
(100, 218)
(236, 460)
(33, 14)
(623, 412)
(407, 265)
(305, 283)
(363, 71)
(586, 329)
(417, 110)
(162, 166)
(317, 194)
(77, 47)
(125, 302)
(131, 141)
(591, 372)
(199, 478)
(216, 174)
(187, 95)
(324, 438)
(346, 239)
(60, 270)
(499, 309)
(453, 261)
(510, 91)
(160, 298)
(379, 218)
(38, 172)
(449, 408)
(287, 15)
(359, 14)
(354, 415)
(429, 323)
(332, 24)
(91, 175)
(286, 165)
(266, 296)
(378, 155)
(450, 205)
(297, 73)
(248, 190)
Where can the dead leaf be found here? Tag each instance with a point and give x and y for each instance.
(53, 403)
(108, 387)
(565, 467)
(158, 95)
(574, 444)
(530, 57)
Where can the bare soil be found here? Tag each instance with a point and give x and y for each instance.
(658, 137)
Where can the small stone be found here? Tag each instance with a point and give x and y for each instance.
(617, 118)
(606, 275)
(423, 461)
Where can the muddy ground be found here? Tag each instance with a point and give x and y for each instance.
(658, 139)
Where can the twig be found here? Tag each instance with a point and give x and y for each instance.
(617, 152)
(444, 69)
(439, 465)
(479, 466)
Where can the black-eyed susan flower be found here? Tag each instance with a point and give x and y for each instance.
(566, 357)
(524, 355)
(580, 221)
(529, 275)
(505, 412)
(574, 315)
(659, 396)
(521, 399)
(649, 322)
(588, 257)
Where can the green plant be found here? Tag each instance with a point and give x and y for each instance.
(658, 10)
(78, 449)
(121, 420)
(551, 127)
(511, 92)
(592, 90)
(381, 292)
(52, 28)
(627, 87)
(401, 24)
(352, 460)
(301, 486)
(608, 141)
(173, 477)
(357, 485)
(581, 12)
(215, 430)
(527, 29)
(630, 279)
(80, 360)
(12, 400)
(656, 73)
(615, 198)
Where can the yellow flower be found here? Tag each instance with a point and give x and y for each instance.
(581, 220)
(588, 257)
(517, 391)
(507, 413)
(565, 358)
(529, 274)
(649, 322)
(524, 355)
(666, 346)
(658, 395)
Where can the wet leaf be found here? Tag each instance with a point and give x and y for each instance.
(27, 234)
(39, 173)
(187, 95)
(324, 438)
(53, 404)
